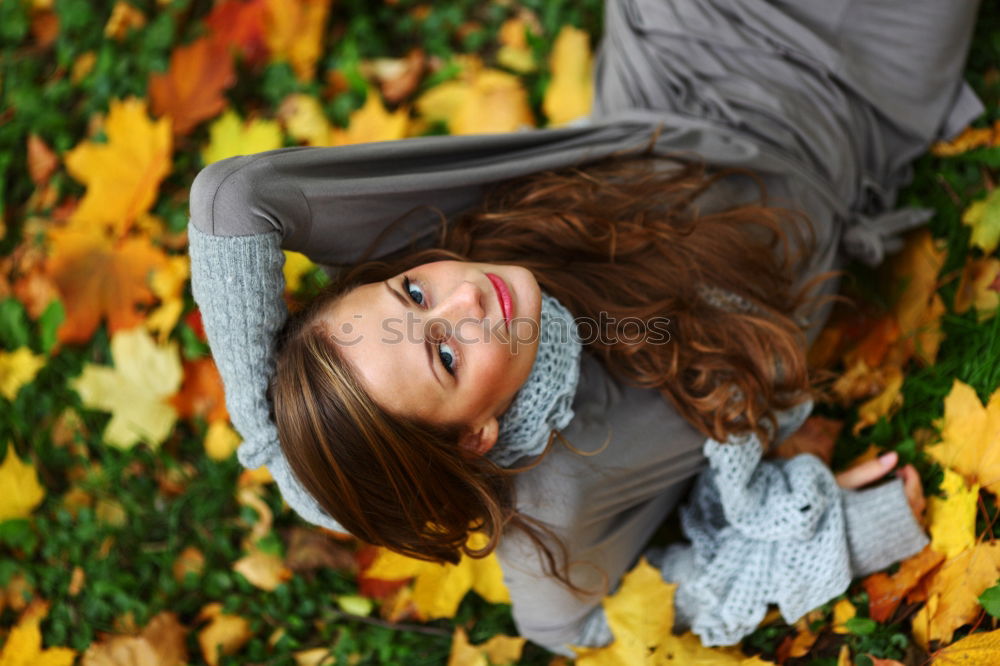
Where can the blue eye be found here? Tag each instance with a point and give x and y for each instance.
(407, 286)
(447, 357)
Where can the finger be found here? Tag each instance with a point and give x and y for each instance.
(914, 490)
(867, 472)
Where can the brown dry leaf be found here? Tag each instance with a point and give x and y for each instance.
(970, 436)
(202, 393)
(17, 594)
(857, 382)
(320, 656)
(309, 549)
(161, 643)
(76, 581)
(803, 640)
(497, 651)
(264, 570)
(124, 17)
(82, 66)
(44, 27)
(42, 162)
(293, 31)
(190, 560)
(225, 633)
(190, 91)
(884, 404)
(979, 287)
(398, 78)
(876, 343)
(979, 649)
(885, 592)
(953, 592)
(97, 278)
(817, 435)
(251, 496)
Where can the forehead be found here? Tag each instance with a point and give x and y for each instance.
(384, 344)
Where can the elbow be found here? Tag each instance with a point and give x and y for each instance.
(228, 197)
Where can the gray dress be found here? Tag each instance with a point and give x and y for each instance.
(828, 100)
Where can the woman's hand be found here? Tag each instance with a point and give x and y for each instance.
(866, 472)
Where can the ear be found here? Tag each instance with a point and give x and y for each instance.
(482, 439)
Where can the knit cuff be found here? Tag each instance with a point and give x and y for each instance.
(238, 284)
(881, 528)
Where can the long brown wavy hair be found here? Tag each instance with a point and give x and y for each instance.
(618, 235)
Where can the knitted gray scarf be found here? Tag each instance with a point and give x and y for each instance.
(545, 400)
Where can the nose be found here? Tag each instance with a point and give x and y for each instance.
(465, 301)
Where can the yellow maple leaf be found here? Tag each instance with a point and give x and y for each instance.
(843, 611)
(221, 440)
(293, 31)
(18, 368)
(514, 52)
(167, 282)
(919, 307)
(225, 633)
(953, 592)
(571, 89)
(970, 436)
(439, 588)
(883, 404)
(123, 175)
(984, 218)
(979, 649)
(22, 492)
(305, 120)
(24, 646)
(641, 617)
(952, 520)
(979, 287)
(230, 136)
(372, 122)
(481, 100)
(135, 390)
(498, 650)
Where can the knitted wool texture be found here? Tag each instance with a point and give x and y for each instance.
(545, 400)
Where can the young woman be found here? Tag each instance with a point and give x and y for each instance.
(643, 285)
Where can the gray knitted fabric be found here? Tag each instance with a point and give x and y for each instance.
(777, 531)
(545, 400)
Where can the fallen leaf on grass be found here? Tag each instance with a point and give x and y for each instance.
(42, 162)
(882, 405)
(953, 593)
(225, 633)
(240, 24)
(918, 308)
(135, 390)
(124, 17)
(984, 218)
(979, 287)
(439, 588)
(979, 649)
(843, 611)
(571, 89)
(817, 435)
(641, 616)
(24, 643)
(952, 520)
(397, 77)
(305, 119)
(970, 436)
(22, 491)
(123, 175)
(264, 570)
(293, 31)
(309, 549)
(886, 592)
(202, 393)
(969, 139)
(497, 651)
(221, 441)
(372, 122)
(190, 560)
(190, 91)
(230, 136)
(163, 642)
(18, 368)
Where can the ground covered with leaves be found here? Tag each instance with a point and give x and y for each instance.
(129, 533)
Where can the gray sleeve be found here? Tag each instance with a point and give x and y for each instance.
(880, 527)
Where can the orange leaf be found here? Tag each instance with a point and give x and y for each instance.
(202, 392)
(98, 277)
(885, 592)
(816, 436)
(191, 89)
(41, 160)
(294, 33)
(240, 24)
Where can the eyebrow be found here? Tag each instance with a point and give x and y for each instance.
(427, 345)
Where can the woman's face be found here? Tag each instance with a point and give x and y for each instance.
(450, 342)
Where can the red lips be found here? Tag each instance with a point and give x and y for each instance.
(503, 295)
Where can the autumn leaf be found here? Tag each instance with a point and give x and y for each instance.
(24, 645)
(439, 588)
(843, 611)
(22, 491)
(240, 24)
(817, 435)
(970, 436)
(42, 162)
(167, 282)
(884, 404)
(202, 393)
(970, 138)
(135, 390)
(953, 592)
(97, 277)
(497, 651)
(885, 592)
(397, 77)
(919, 307)
(984, 218)
(979, 649)
(372, 122)
(221, 441)
(979, 287)
(124, 17)
(294, 31)
(18, 368)
(952, 520)
(297, 266)
(230, 136)
(190, 91)
(123, 175)
(225, 633)
(190, 560)
(264, 570)
(571, 89)
(514, 52)
(641, 617)
(309, 549)
(305, 120)
(162, 641)
(480, 101)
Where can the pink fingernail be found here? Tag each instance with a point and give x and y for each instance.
(888, 460)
